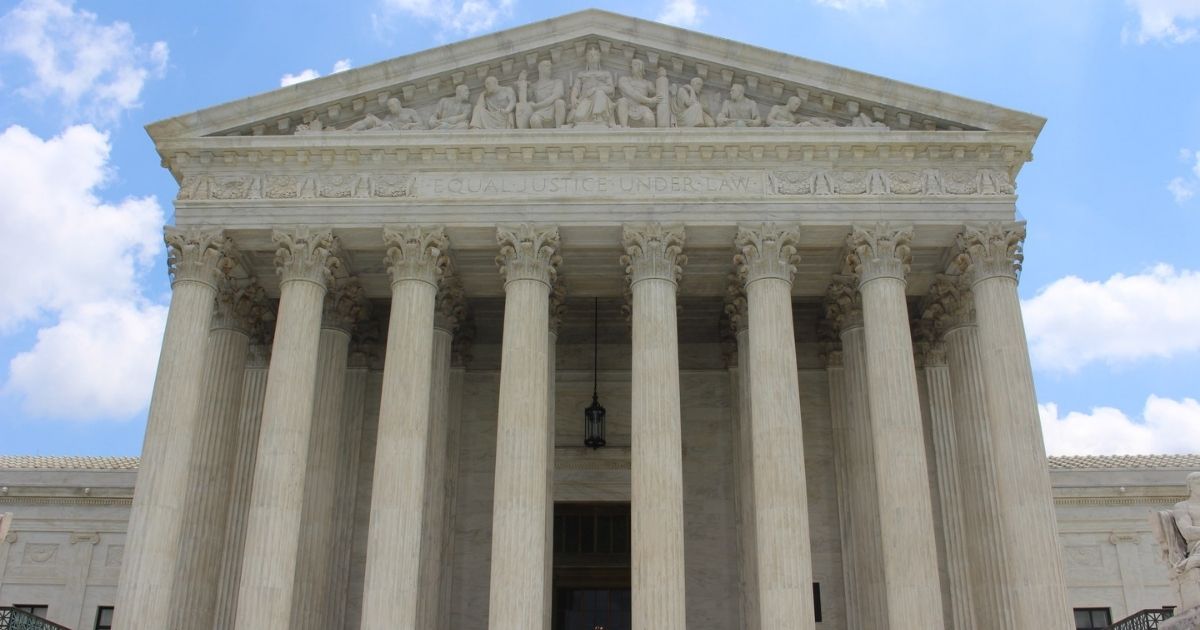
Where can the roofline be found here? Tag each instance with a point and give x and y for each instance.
(591, 22)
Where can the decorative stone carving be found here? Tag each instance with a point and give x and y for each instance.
(736, 305)
(366, 343)
(397, 118)
(548, 108)
(687, 106)
(817, 121)
(416, 253)
(1178, 534)
(767, 250)
(392, 185)
(738, 110)
(879, 251)
(495, 107)
(864, 120)
(843, 304)
(305, 254)
(591, 94)
(653, 250)
(528, 252)
(39, 553)
(195, 254)
(558, 304)
(992, 249)
(949, 305)
(639, 100)
(241, 303)
(785, 115)
(450, 307)
(453, 112)
(460, 348)
(345, 304)
(114, 556)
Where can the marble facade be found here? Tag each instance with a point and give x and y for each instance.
(814, 358)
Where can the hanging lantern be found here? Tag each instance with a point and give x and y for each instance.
(593, 416)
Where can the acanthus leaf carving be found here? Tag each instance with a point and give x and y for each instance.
(653, 250)
(195, 254)
(767, 250)
(879, 251)
(843, 304)
(950, 304)
(451, 305)
(736, 305)
(345, 304)
(528, 252)
(305, 254)
(241, 304)
(992, 249)
(416, 252)
(558, 304)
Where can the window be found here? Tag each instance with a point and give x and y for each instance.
(817, 601)
(37, 610)
(104, 616)
(1092, 618)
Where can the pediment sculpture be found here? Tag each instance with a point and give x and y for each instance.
(591, 97)
(1178, 533)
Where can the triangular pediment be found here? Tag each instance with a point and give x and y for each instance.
(828, 95)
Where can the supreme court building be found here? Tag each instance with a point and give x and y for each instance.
(792, 286)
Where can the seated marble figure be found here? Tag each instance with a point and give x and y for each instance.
(738, 110)
(453, 112)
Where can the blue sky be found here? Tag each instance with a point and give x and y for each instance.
(1112, 276)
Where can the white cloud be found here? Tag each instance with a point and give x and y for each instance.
(682, 13)
(1167, 426)
(95, 70)
(852, 5)
(456, 16)
(77, 262)
(1185, 187)
(98, 361)
(1074, 322)
(308, 74)
(1172, 21)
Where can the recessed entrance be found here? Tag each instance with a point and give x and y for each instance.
(591, 566)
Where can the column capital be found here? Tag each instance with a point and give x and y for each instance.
(304, 254)
(653, 251)
(196, 254)
(879, 251)
(843, 304)
(366, 342)
(450, 306)
(991, 250)
(416, 253)
(558, 305)
(736, 305)
(950, 304)
(460, 347)
(929, 349)
(767, 250)
(528, 252)
(345, 305)
(241, 305)
(830, 354)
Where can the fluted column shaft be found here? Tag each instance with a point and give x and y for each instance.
(156, 518)
(528, 257)
(835, 372)
(254, 387)
(273, 528)
(457, 373)
(311, 602)
(945, 444)
(744, 457)
(353, 404)
(432, 548)
(1038, 587)
(416, 259)
(767, 261)
(210, 470)
(909, 561)
(557, 308)
(653, 259)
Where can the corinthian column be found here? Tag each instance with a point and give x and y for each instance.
(993, 257)
(862, 546)
(952, 308)
(766, 263)
(528, 260)
(879, 257)
(156, 519)
(653, 259)
(239, 305)
(311, 597)
(416, 259)
(931, 354)
(448, 313)
(739, 320)
(304, 259)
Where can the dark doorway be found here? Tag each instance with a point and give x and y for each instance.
(591, 566)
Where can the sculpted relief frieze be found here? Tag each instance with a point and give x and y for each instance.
(595, 91)
(696, 184)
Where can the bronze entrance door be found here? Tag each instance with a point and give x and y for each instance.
(591, 566)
